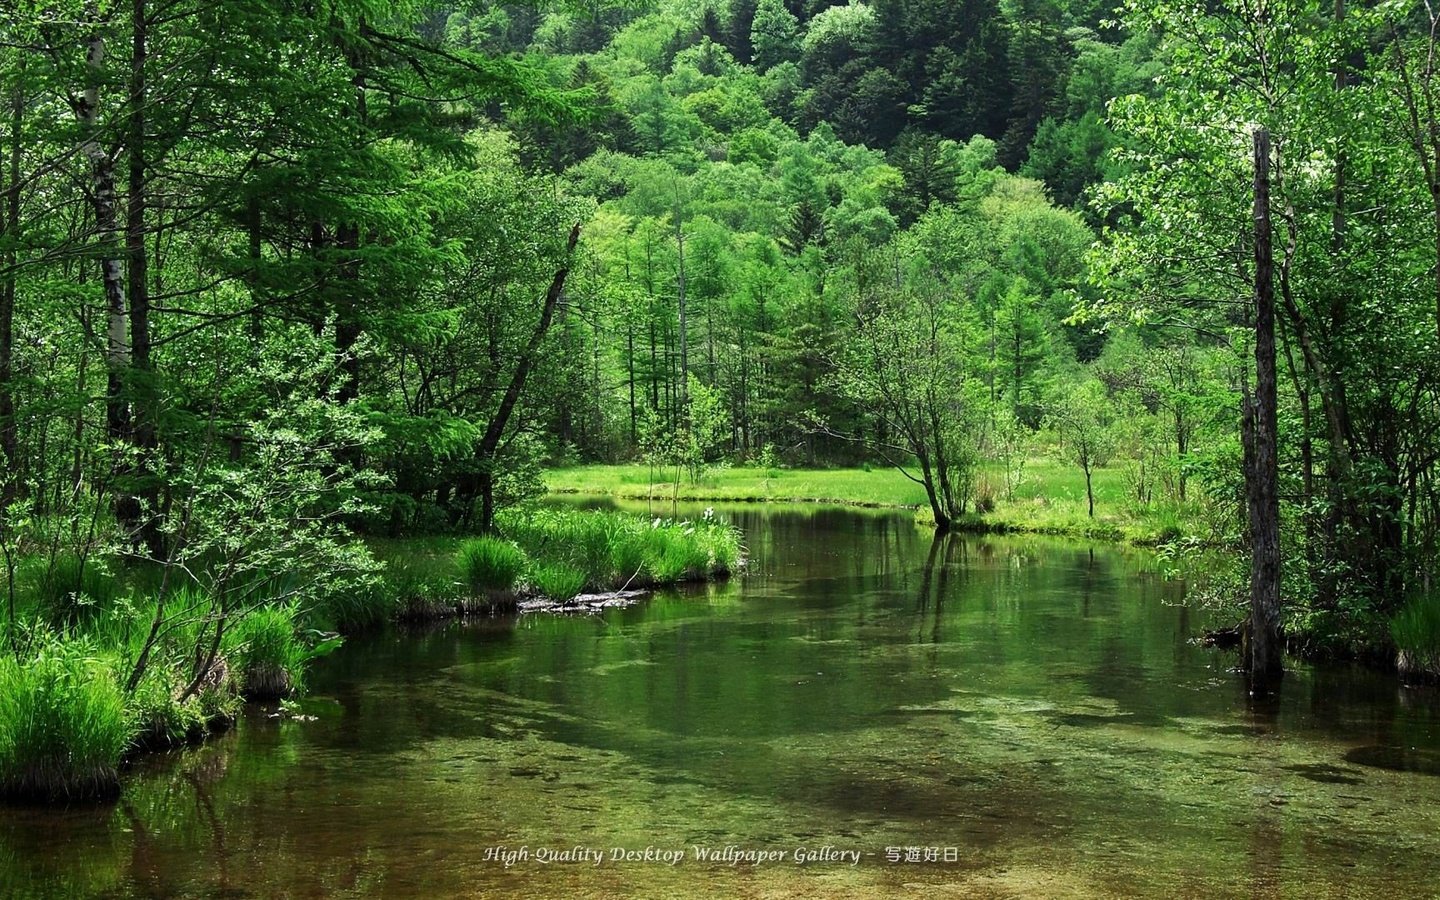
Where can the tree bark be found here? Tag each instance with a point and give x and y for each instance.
(141, 379)
(684, 323)
(490, 443)
(1262, 660)
(112, 270)
(9, 226)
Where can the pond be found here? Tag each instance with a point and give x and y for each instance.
(864, 713)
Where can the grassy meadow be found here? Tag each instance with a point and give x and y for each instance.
(1049, 497)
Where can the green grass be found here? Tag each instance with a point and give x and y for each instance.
(69, 591)
(1050, 498)
(613, 550)
(158, 716)
(881, 487)
(488, 564)
(63, 722)
(1416, 630)
(269, 654)
(557, 581)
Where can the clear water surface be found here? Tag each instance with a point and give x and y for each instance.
(1028, 712)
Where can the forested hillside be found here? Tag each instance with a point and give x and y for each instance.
(275, 273)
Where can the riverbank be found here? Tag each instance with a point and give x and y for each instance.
(103, 663)
(545, 557)
(1048, 499)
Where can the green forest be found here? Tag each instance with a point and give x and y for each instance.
(283, 282)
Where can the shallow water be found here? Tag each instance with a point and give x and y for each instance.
(1029, 712)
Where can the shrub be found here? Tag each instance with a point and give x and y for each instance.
(984, 496)
(156, 718)
(63, 725)
(489, 564)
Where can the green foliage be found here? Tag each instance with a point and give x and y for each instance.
(271, 655)
(1416, 632)
(69, 587)
(488, 564)
(774, 34)
(63, 722)
(612, 550)
(557, 581)
(160, 720)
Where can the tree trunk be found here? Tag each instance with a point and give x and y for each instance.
(112, 271)
(684, 324)
(9, 225)
(630, 380)
(1262, 660)
(347, 324)
(942, 518)
(1089, 492)
(147, 496)
(490, 443)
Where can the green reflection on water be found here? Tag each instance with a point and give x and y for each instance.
(1033, 704)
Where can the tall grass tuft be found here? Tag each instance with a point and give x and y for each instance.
(1416, 630)
(63, 724)
(488, 564)
(558, 581)
(69, 590)
(613, 549)
(271, 655)
(629, 559)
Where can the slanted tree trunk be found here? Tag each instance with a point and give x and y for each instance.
(1262, 661)
(943, 522)
(1089, 491)
(489, 446)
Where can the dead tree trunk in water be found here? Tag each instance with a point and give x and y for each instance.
(1262, 646)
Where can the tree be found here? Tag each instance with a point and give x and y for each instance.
(1182, 246)
(774, 34)
(1083, 419)
(907, 364)
(1259, 436)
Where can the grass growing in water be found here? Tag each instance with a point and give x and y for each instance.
(1049, 498)
(63, 722)
(880, 487)
(270, 654)
(1416, 630)
(611, 550)
(488, 564)
(557, 581)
